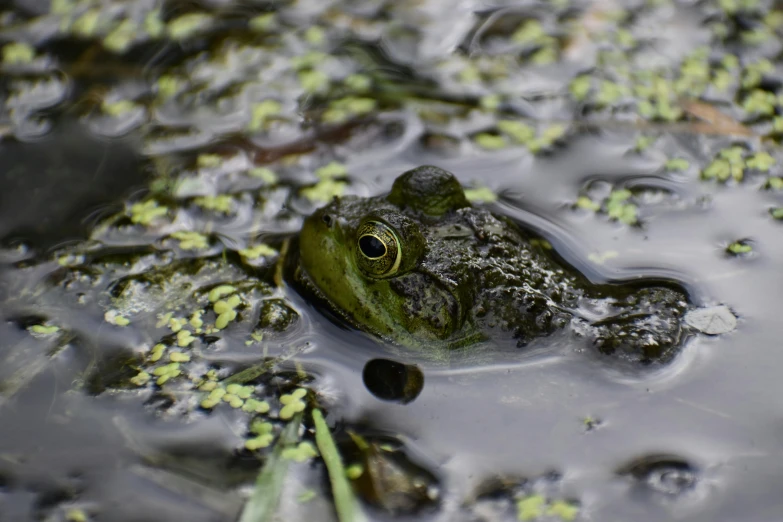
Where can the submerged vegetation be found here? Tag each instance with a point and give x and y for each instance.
(250, 115)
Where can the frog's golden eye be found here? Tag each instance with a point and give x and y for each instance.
(379, 250)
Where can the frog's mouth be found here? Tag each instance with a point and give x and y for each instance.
(301, 281)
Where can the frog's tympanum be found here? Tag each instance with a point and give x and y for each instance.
(425, 269)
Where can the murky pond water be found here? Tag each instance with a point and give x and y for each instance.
(157, 160)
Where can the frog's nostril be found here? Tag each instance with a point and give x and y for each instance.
(327, 219)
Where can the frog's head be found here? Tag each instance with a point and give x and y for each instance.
(368, 259)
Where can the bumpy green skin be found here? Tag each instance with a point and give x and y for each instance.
(468, 275)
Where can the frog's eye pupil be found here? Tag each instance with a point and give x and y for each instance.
(379, 251)
(372, 247)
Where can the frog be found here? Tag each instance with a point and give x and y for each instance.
(423, 268)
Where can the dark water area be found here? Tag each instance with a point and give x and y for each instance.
(149, 176)
(55, 189)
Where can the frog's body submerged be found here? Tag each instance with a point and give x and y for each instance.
(423, 268)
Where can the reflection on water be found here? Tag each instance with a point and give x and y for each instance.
(393, 381)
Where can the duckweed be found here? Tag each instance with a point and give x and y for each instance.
(214, 398)
(184, 338)
(196, 321)
(722, 170)
(153, 23)
(679, 164)
(529, 31)
(223, 319)
(262, 113)
(141, 378)
(234, 401)
(147, 212)
(580, 87)
(208, 161)
(258, 251)
(224, 305)
(760, 102)
(157, 352)
(43, 329)
(120, 39)
(324, 191)
(618, 207)
(166, 372)
(113, 317)
(563, 510)
(530, 507)
(314, 35)
(517, 130)
(243, 392)
(739, 248)
(168, 85)
(354, 471)
(18, 53)
(70, 260)
(774, 183)
(331, 171)
(189, 240)
(304, 451)
(313, 81)
(480, 195)
(358, 82)
(255, 406)
(187, 25)
(345, 108)
(179, 357)
(546, 138)
(259, 442)
(490, 141)
(610, 93)
(644, 142)
(222, 203)
(262, 22)
(587, 204)
(118, 108)
(264, 435)
(292, 403)
(219, 292)
(208, 386)
(266, 175)
(490, 102)
(761, 161)
(260, 427)
(225, 310)
(176, 324)
(76, 515)
(87, 24)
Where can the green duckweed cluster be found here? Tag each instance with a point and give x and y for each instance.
(537, 507)
(733, 162)
(618, 205)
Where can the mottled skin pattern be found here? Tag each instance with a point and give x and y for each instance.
(468, 275)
